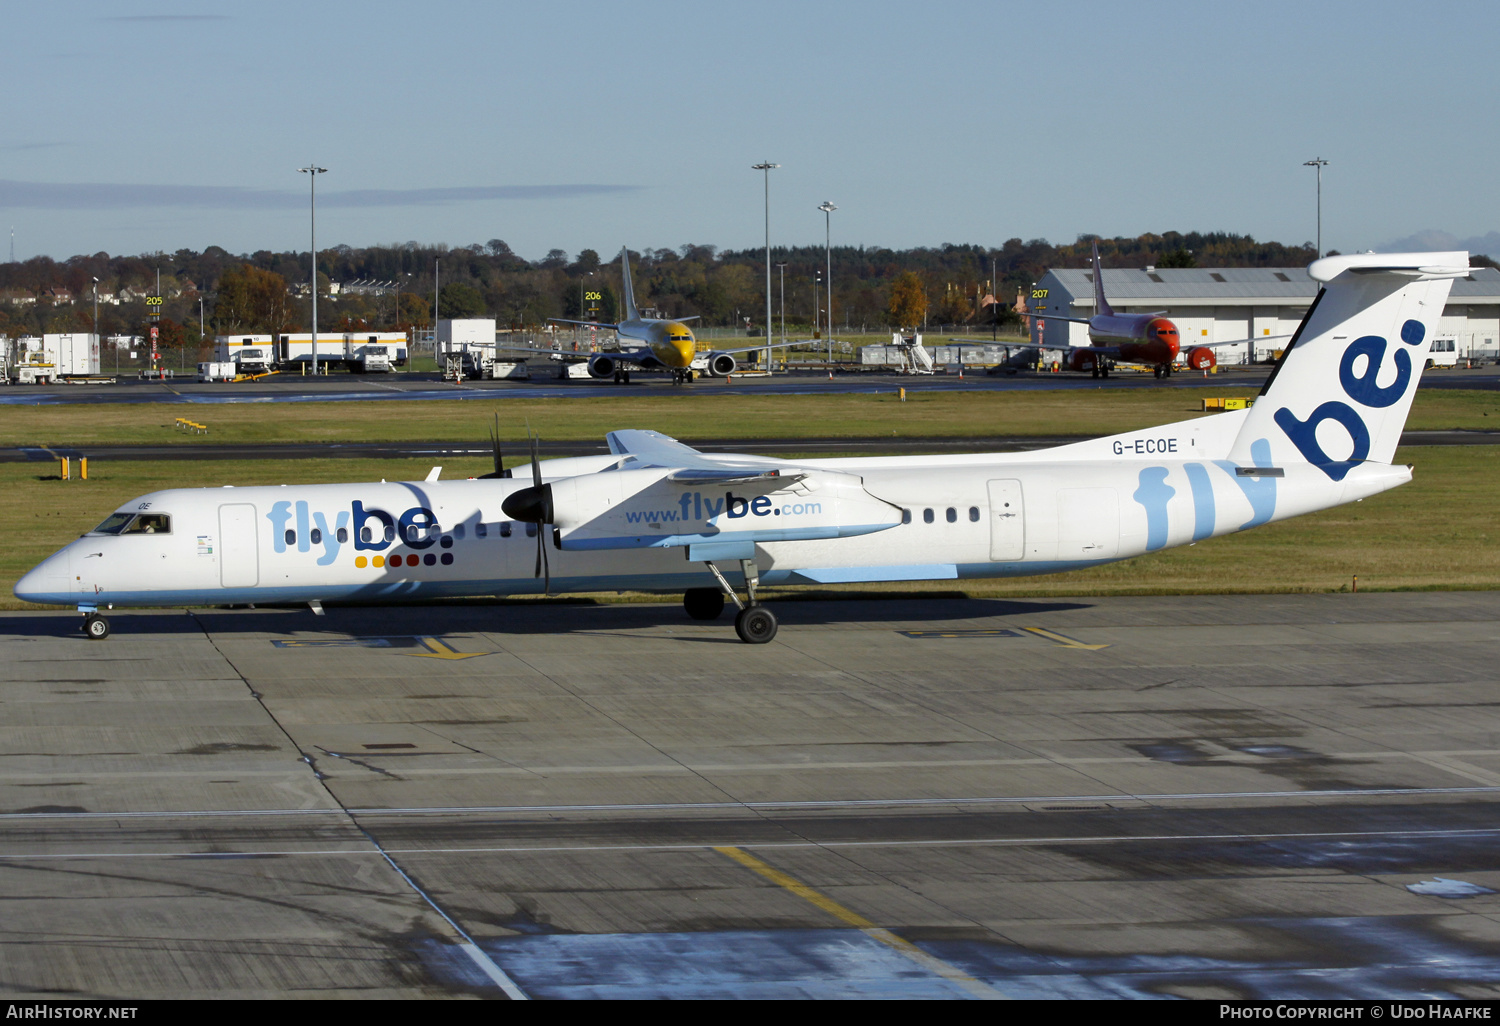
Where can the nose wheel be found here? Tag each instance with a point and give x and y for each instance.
(754, 623)
(95, 627)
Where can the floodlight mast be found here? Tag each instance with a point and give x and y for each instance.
(313, 171)
(767, 167)
(1320, 164)
(828, 208)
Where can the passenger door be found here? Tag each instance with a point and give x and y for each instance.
(1007, 522)
(239, 555)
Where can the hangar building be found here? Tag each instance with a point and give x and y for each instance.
(1223, 304)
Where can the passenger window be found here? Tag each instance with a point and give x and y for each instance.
(481, 530)
(530, 530)
(974, 514)
(390, 533)
(927, 516)
(316, 536)
(343, 535)
(150, 523)
(458, 531)
(505, 528)
(364, 534)
(291, 536)
(906, 516)
(952, 515)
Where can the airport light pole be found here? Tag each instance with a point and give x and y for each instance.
(313, 171)
(1320, 164)
(767, 167)
(828, 208)
(96, 310)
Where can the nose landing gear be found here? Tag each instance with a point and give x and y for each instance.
(754, 623)
(95, 627)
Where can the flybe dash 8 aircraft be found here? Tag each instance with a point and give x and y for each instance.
(655, 343)
(1149, 338)
(657, 515)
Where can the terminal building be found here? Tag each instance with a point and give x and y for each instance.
(1259, 303)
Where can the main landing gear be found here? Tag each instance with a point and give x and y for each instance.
(622, 377)
(754, 623)
(682, 377)
(1100, 370)
(95, 627)
(1161, 371)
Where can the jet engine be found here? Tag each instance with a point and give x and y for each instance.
(1201, 358)
(602, 365)
(1082, 360)
(719, 365)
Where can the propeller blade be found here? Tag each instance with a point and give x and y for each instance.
(546, 562)
(536, 464)
(498, 455)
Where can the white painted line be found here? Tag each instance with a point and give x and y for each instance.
(494, 972)
(837, 803)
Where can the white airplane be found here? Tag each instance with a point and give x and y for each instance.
(657, 515)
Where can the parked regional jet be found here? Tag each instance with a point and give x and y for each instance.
(1149, 338)
(654, 343)
(657, 515)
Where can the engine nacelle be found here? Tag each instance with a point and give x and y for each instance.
(602, 366)
(719, 365)
(1202, 358)
(1082, 360)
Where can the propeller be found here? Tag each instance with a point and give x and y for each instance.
(534, 506)
(499, 470)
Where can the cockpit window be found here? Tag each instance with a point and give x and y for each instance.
(114, 524)
(150, 523)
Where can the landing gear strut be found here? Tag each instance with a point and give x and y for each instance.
(754, 623)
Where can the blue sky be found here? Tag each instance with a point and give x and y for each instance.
(133, 127)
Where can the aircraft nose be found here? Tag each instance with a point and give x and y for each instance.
(684, 347)
(47, 582)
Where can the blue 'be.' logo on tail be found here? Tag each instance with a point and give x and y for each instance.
(1362, 388)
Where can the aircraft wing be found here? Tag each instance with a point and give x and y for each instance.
(771, 345)
(641, 449)
(1056, 317)
(1232, 342)
(590, 324)
(1033, 345)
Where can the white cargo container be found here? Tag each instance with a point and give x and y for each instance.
(219, 371)
(458, 336)
(72, 355)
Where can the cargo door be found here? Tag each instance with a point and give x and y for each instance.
(1007, 522)
(239, 558)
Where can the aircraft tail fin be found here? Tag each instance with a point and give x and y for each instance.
(631, 313)
(1101, 305)
(1340, 394)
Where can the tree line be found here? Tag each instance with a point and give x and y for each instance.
(872, 286)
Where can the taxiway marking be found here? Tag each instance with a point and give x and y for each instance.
(1062, 640)
(949, 972)
(440, 649)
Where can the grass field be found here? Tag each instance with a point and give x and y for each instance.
(687, 414)
(1434, 533)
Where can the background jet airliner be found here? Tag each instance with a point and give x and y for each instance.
(657, 515)
(1149, 338)
(655, 343)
